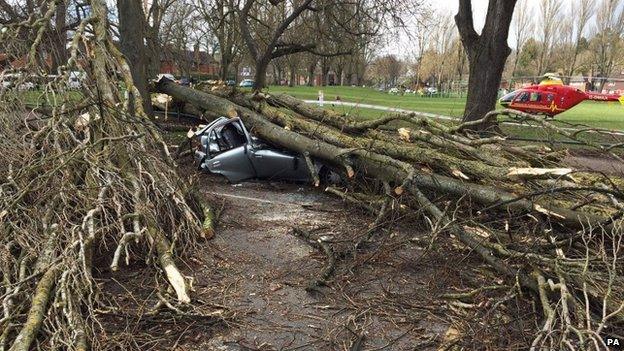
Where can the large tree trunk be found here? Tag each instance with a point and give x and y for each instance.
(59, 40)
(131, 32)
(293, 75)
(311, 70)
(225, 68)
(487, 54)
(261, 71)
(486, 70)
(339, 75)
(153, 51)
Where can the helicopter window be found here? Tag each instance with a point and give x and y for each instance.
(535, 97)
(509, 97)
(524, 97)
(550, 97)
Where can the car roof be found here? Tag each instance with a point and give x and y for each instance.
(210, 125)
(217, 123)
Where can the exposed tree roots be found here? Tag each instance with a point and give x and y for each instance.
(88, 181)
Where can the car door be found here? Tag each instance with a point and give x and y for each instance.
(274, 164)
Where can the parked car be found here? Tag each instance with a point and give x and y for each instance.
(227, 148)
(16, 81)
(6, 81)
(247, 83)
(230, 82)
(431, 91)
(185, 81)
(393, 91)
(166, 75)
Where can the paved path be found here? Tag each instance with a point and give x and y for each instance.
(382, 108)
(432, 115)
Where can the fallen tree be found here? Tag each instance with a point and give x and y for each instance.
(549, 230)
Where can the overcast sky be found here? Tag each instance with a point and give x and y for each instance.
(479, 10)
(401, 46)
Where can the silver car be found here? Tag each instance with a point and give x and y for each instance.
(227, 148)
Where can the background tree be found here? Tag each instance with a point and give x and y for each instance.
(263, 50)
(386, 71)
(221, 18)
(265, 27)
(155, 12)
(527, 58)
(420, 38)
(487, 54)
(571, 38)
(132, 37)
(522, 28)
(607, 43)
(181, 37)
(439, 57)
(548, 23)
(442, 45)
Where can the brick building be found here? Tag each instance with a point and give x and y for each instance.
(188, 62)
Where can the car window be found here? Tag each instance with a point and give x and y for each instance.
(213, 144)
(229, 137)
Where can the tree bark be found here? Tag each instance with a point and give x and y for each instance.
(339, 75)
(487, 54)
(261, 70)
(59, 40)
(225, 67)
(293, 75)
(131, 25)
(37, 311)
(311, 70)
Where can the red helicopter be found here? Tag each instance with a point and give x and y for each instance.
(551, 97)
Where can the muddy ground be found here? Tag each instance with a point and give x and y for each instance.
(252, 282)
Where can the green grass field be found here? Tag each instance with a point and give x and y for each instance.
(595, 114)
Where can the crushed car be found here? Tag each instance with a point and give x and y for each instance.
(227, 148)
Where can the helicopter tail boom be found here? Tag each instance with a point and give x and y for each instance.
(605, 97)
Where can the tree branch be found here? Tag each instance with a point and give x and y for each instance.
(289, 49)
(284, 25)
(245, 31)
(465, 24)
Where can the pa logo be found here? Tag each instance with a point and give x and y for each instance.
(614, 343)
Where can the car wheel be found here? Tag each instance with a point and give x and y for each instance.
(329, 176)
